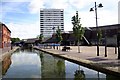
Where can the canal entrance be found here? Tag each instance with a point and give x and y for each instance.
(37, 64)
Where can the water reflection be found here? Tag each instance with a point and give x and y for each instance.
(79, 74)
(37, 64)
(52, 67)
(110, 77)
(25, 64)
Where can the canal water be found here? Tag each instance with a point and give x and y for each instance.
(37, 64)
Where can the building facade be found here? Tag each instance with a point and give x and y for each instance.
(108, 31)
(50, 19)
(90, 36)
(5, 38)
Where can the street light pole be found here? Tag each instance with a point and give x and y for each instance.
(97, 30)
(91, 9)
(96, 14)
(105, 44)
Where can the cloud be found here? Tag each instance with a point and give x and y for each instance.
(35, 5)
(14, 0)
(119, 12)
(11, 7)
(24, 30)
(79, 4)
(106, 16)
(62, 4)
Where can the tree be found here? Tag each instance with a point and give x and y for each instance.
(99, 35)
(79, 75)
(15, 40)
(40, 37)
(59, 36)
(78, 30)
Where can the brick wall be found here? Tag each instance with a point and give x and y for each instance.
(4, 36)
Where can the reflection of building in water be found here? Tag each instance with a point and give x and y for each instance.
(6, 64)
(111, 77)
(52, 67)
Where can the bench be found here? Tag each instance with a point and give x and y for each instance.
(65, 48)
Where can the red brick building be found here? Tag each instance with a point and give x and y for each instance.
(5, 38)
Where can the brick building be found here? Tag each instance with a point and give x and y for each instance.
(5, 38)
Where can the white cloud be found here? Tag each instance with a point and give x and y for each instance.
(119, 12)
(106, 16)
(14, 0)
(35, 5)
(62, 4)
(79, 3)
(23, 30)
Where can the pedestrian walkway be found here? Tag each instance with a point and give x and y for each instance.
(88, 55)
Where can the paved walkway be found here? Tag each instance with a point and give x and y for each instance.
(88, 55)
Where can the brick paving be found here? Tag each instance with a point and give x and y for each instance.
(88, 55)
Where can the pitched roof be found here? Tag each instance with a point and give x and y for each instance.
(5, 26)
(32, 40)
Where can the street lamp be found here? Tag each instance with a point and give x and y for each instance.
(91, 9)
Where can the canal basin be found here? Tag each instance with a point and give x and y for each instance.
(37, 64)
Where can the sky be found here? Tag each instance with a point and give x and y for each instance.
(22, 16)
(119, 12)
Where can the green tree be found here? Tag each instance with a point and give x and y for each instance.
(15, 40)
(40, 37)
(78, 30)
(99, 35)
(79, 75)
(59, 36)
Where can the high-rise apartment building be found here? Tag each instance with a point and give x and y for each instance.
(50, 19)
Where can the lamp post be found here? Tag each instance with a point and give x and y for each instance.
(91, 9)
(105, 44)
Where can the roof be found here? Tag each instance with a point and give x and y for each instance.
(51, 40)
(5, 26)
(114, 26)
(32, 40)
(72, 37)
